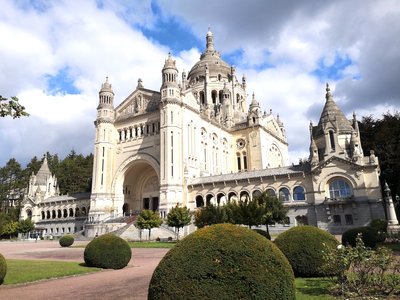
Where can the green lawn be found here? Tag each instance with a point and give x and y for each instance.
(21, 271)
(152, 244)
(144, 245)
(313, 288)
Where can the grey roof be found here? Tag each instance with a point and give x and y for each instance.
(332, 112)
(297, 169)
(77, 196)
(43, 173)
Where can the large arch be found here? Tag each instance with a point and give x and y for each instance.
(136, 184)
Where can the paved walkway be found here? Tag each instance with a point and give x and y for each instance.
(130, 282)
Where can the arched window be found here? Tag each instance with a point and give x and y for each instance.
(256, 194)
(244, 195)
(29, 213)
(298, 193)
(210, 199)
(271, 192)
(199, 201)
(284, 194)
(43, 215)
(59, 213)
(221, 199)
(339, 188)
(48, 214)
(65, 213)
(232, 196)
(71, 212)
(332, 139)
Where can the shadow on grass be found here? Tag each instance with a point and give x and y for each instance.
(314, 286)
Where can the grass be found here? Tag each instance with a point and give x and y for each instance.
(143, 245)
(152, 244)
(313, 288)
(22, 271)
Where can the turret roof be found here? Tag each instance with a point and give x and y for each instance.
(43, 173)
(332, 113)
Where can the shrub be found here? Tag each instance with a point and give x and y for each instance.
(369, 236)
(108, 252)
(303, 247)
(380, 226)
(223, 261)
(3, 268)
(66, 240)
(263, 233)
(364, 272)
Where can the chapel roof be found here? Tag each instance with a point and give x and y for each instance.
(332, 113)
(43, 173)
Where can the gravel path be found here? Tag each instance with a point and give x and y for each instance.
(130, 282)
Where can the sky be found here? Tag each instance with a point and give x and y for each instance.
(54, 56)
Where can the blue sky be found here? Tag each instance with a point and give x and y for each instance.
(56, 54)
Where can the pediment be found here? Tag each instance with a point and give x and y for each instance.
(139, 102)
(28, 201)
(336, 162)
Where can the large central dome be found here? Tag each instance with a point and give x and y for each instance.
(211, 59)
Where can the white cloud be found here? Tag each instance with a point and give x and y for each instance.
(94, 39)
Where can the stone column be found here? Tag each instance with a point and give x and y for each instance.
(393, 223)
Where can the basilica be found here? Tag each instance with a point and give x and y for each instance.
(199, 140)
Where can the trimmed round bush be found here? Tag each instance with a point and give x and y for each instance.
(223, 261)
(108, 252)
(303, 247)
(3, 268)
(66, 240)
(263, 233)
(369, 236)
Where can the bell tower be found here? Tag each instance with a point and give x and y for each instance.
(103, 153)
(171, 160)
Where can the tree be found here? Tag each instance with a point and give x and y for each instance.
(273, 209)
(178, 217)
(210, 215)
(148, 219)
(11, 183)
(383, 136)
(247, 212)
(25, 226)
(11, 108)
(10, 229)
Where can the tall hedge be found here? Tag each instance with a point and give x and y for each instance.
(303, 247)
(369, 236)
(3, 268)
(108, 252)
(223, 261)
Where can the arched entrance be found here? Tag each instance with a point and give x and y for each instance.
(141, 188)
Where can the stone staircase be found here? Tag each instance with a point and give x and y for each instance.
(131, 233)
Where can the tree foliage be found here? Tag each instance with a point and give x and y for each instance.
(383, 136)
(178, 217)
(148, 219)
(25, 226)
(274, 210)
(210, 215)
(11, 108)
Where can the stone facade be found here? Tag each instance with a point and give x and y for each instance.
(196, 141)
(53, 214)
